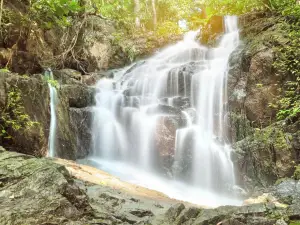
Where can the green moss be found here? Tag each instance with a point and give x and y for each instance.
(242, 126)
(279, 181)
(297, 173)
(294, 223)
(272, 135)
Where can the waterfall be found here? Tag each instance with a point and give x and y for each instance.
(53, 102)
(161, 122)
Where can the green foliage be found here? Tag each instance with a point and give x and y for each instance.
(287, 65)
(53, 83)
(285, 7)
(4, 70)
(13, 116)
(169, 12)
(296, 175)
(54, 12)
(294, 223)
(272, 136)
(168, 28)
(236, 7)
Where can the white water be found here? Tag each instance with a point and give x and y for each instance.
(133, 109)
(52, 133)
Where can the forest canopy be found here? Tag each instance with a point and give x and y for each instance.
(162, 16)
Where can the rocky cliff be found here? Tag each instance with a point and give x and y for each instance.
(266, 145)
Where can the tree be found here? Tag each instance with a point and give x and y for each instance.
(137, 9)
(154, 14)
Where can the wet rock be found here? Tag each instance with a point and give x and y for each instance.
(141, 213)
(256, 214)
(91, 79)
(179, 79)
(71, 97)
(177, 102)
(165, 136)
(67, 76)
(266, 156)
(81, 123)
(253, 87)
(256, 156)
(288, 191)
(79, 96)
(239, 126)
(135, 65)
(163, 109)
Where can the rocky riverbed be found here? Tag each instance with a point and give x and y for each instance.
(53, 191)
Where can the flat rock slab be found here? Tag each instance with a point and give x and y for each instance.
(95, 176)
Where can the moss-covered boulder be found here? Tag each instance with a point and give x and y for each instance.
(266, 156)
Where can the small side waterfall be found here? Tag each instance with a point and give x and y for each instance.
(53, 102)
(161, 122)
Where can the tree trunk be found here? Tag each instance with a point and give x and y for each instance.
(1, 12)
(154, 14)
(137, 9)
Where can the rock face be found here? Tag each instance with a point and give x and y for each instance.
(266, 156)
(34, 103)
(90, 44)
(73, 117)
(81, 123)
(264, 150)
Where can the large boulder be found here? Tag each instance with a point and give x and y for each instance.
(266, 156)
(256, 214)
(38, 191)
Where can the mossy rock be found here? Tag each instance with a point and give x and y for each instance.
(36, 191)
(297, 173)
(266, 156)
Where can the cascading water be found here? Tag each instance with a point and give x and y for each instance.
(53, 101)
(160, 123)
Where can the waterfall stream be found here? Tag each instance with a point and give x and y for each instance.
(161, 122)
(53, 102)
